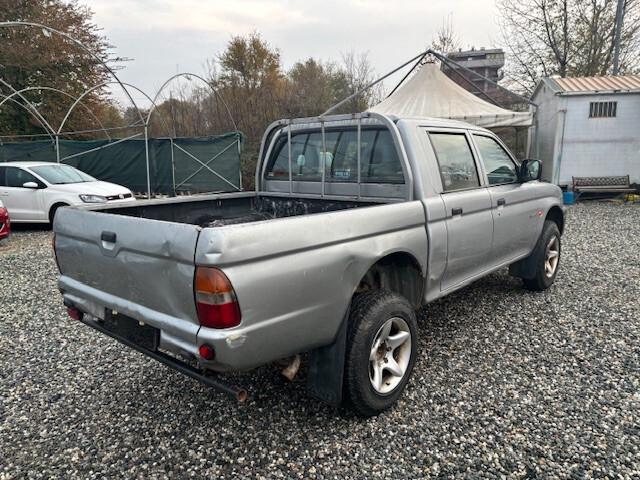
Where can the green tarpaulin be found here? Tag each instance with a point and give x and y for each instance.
(124, 161)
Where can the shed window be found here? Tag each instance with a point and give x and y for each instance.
(602, 109)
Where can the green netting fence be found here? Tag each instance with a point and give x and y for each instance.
(180, 165)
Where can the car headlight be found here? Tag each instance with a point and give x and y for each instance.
(93, 198)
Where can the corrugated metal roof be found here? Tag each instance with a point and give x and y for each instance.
(599, 84)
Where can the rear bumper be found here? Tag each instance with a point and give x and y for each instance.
(211, 381)
(236, 349)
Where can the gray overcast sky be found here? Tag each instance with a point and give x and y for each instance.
(166, 36)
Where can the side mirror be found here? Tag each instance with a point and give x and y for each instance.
(31, 185)
(530, 170)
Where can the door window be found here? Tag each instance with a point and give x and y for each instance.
(457, 168)
(498, 164)
(16, 177)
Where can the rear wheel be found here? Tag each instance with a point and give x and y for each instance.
(381, 351)
(546, 258)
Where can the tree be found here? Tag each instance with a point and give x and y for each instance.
(31, 57)
(312, 88)
(252, 83)
(566, 38)
(446, 40)
(357, 73)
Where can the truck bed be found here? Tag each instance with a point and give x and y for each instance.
(231, 209)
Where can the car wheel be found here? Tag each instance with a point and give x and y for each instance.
(381, 350)
(546, 258)
(54, 209)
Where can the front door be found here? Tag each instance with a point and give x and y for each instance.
(468, 208)
(23, 204)
(513, 204)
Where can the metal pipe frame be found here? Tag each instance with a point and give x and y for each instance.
(206, 165)
(153, 108)
(375, 82)
(49, 133)
(43, 120)
(61, 92)
(187, 75)
(83, 47)
(102, 147)
(123, 85)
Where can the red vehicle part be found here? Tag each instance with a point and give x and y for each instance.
(5, 223)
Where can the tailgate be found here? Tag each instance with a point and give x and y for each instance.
(140, 267)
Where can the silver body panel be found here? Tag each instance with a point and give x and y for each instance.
(294, 276)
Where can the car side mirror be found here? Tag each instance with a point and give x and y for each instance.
(530, 170)
(31, 185)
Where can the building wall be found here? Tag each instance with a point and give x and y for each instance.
(588, 147)
(594, 147)
(545, 129)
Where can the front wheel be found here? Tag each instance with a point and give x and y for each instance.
(546, 258)
(381, 350)
(54, 210)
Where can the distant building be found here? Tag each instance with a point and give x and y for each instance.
(588, 127)
(486, 63)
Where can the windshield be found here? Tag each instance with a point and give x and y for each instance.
(60, 174)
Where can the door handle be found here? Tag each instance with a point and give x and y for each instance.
(501, 202)
(456, 211)
(108, 237)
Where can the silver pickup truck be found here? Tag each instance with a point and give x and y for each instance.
(356, 221)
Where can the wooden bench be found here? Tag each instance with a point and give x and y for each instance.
(614, 184)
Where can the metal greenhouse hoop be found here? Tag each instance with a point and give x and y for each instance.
(143, 122)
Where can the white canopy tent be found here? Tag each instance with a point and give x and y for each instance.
(430, 93)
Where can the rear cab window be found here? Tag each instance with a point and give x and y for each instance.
(379, 161)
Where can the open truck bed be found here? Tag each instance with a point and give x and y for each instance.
(230, 209)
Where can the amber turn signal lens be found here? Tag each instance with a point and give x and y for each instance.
(216, 300)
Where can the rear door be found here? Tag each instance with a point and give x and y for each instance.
(467, 204)
(23, 204)
(513, 204)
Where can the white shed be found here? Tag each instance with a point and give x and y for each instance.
(588, 127)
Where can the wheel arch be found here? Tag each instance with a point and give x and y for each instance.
(54, 207)
(399, 272)
(555, 214)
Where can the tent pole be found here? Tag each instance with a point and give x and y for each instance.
(375, 82)
(408, 73)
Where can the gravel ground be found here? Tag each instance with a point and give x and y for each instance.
(508, 384)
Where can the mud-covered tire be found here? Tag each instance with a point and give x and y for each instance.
(370, 312)
(544, 277)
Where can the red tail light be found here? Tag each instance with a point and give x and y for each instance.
(215, 299)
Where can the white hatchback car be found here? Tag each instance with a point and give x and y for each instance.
(33, 191)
